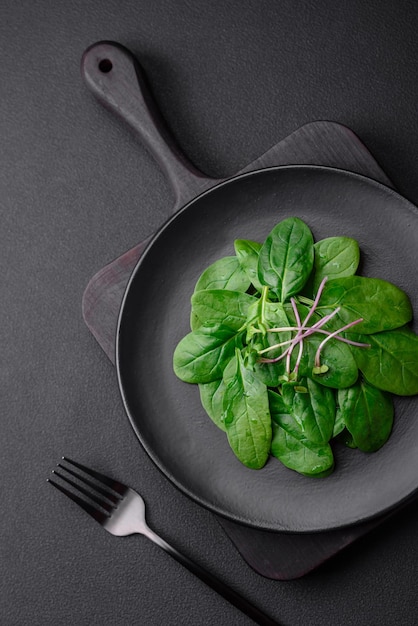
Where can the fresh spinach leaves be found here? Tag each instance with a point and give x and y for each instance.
(201, 356)
(335, 257)
(221, 306)
(226, 273)
(293, 351)
(286, 258)
(379, 304)
(391, 361)
(367, 413)
(246, 409)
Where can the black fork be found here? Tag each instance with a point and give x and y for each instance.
(121, 511)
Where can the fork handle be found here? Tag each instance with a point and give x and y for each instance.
(212, 581)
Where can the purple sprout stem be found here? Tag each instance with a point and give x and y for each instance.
(276, 359)
(288, 357)
(282, 329)
(343, 339)
(298, 339)
(330, 336)
(284, 354)
(276, 345)
(311, 331)
(302, 332)
(296, 312)
(315, 302)
(323, 321)
(298, 360)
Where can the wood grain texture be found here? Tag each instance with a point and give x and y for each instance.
(118, 81)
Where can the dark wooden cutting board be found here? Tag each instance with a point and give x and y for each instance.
(280, 556)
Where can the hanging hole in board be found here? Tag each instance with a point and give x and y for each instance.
(105, 65)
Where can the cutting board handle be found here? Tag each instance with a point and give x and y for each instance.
(117, 79)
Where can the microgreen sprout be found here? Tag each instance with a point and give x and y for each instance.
(303, 331)
(334, 334)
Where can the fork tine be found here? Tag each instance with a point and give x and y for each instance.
(91, 510)
(115, 498)
(100, 501)
(109, 482)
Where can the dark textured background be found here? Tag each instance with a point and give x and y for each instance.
(76, 190)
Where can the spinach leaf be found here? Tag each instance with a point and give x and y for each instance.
(247, 254)
(367, 413)
(339, 424)
(337, 356)
(301, 455)
(263, 315)
(391, 362)
(225, 273)
(230, 370)
(201, 356)
(314, 408)
(335, 257)
(340, 431)
(220, 306)
(211, 397)
(382, 306)
(247, 416)
(212, 394)
(278, 407)
(195, 322)
(286, 258)
(272, 315)
(292, 447)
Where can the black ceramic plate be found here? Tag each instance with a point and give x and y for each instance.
(166, 413)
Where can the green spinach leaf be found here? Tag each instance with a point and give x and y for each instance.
(314, 406)
(286, 258)
(271, 315)
(247, 254)
(381, 305)
(391, 362)
(201, 356)
(367, 413)
(335, 257)
(296, 451)
(221, 306)
(336, 356)
(211, 397)
(247, 416)
(225, 273)
(278, 407)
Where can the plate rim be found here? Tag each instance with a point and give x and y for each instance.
(239, 519)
